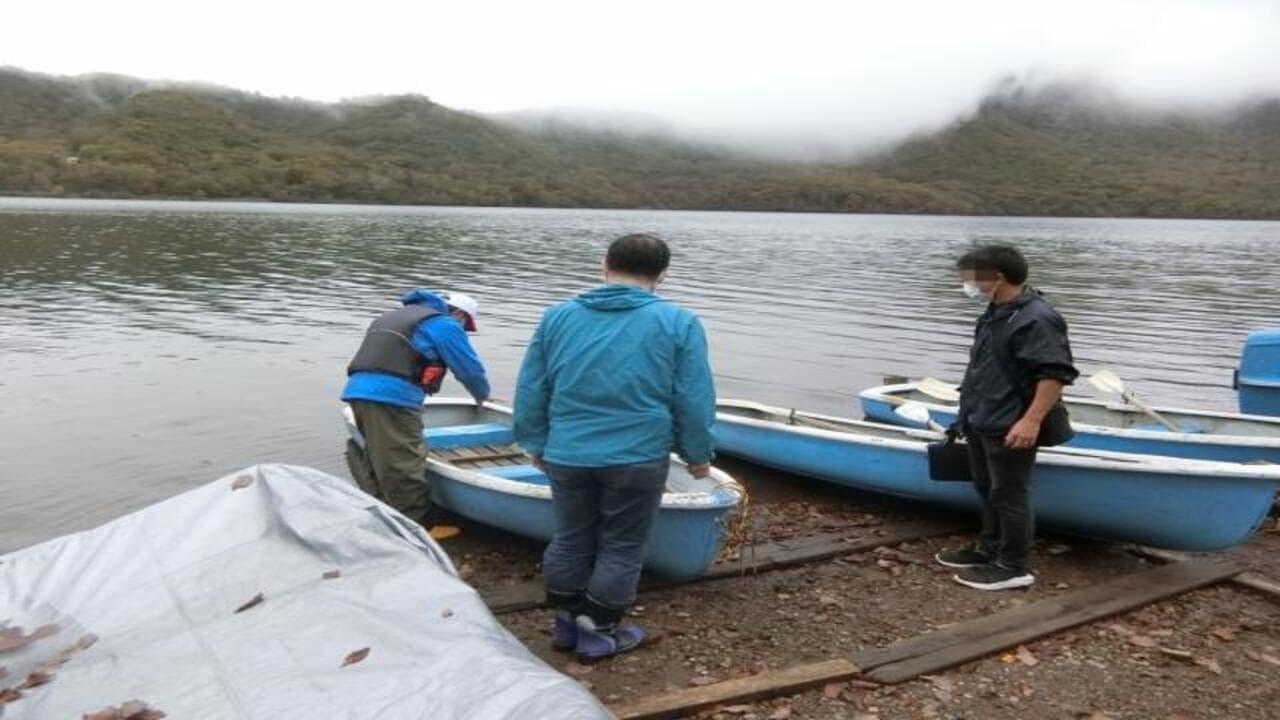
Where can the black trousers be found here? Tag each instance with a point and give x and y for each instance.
(1002, 477)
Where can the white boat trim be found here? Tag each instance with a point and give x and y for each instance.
(1206, 438)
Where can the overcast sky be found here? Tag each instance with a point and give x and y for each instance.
(853, 71)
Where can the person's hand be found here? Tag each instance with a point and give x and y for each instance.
(536, 461)
(953, 432)
(1023, 434)
(700, 470)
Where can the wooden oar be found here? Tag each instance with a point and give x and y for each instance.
(1109, 382)
(914, 411)
(936, 388)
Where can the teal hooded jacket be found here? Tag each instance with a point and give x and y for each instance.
(616, 376)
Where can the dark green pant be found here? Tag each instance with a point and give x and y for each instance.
(393, 462)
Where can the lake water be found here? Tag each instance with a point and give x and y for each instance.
(148, 347)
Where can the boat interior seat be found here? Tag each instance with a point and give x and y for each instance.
(523, 473)
(451, 436)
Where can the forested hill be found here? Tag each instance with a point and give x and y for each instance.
(1052, 151)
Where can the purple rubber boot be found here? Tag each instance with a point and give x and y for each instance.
(598, 643)
(564, 632)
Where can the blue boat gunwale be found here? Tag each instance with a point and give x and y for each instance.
(878, 393)
(916, 440)
(723, 493)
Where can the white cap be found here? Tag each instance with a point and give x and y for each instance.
(465, 303)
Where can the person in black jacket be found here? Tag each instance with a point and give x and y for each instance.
(1009, 406)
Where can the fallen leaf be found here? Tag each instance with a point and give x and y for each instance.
(782, 713)
(865, 684)
(1209, 664)
(253, 602)
(1119, 629)
(1008, 658)
(833, 690)
(1176, 654)
(894, 568)
(85, 642)
(242, 482)
(35, 679)
(1027, 657)
(443, 532)
(355, 657)
(49, 666)
(1142, 641)
(1225, 634)
(578, 669)
(133, 706)
(132, 710)
(8, 695)
(10, 641)
(44, 631)
(331, 575)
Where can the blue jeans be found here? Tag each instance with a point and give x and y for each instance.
(603, 517)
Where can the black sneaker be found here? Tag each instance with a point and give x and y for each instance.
(965, 557)
(995, 577)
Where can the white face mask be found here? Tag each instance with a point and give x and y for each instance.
(973, 291)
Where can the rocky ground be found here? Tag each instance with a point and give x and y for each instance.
(1213, 653)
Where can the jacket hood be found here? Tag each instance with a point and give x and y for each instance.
(425, 297)
(616, 297)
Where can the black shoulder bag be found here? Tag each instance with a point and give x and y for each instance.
(949, 461)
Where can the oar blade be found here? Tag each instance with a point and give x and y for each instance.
(936, 388)
(1107, 381)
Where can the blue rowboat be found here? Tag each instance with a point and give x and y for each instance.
(475, 469)
(1258, 378)
(1119, 427)
(1159, 501)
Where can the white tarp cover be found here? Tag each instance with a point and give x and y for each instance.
(156, 593)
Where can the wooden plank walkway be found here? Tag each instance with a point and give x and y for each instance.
(978, 638)
(742, 690)
(765, 557)
(1251, 580)
(958, 644)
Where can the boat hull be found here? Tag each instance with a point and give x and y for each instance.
(1258, 378)
(683, 544)
(1167, 510)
